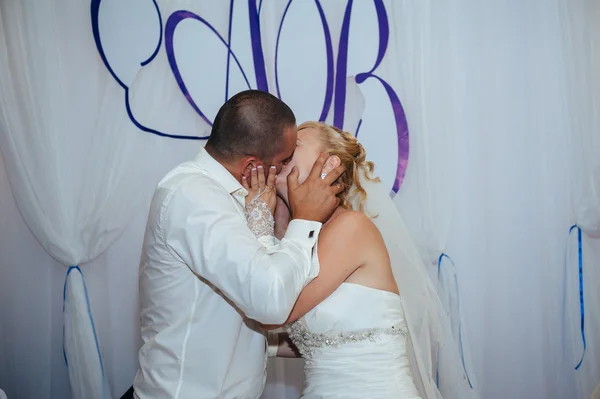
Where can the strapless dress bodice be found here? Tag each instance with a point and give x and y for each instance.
(354, 346)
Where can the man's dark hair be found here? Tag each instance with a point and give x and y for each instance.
(250, 123)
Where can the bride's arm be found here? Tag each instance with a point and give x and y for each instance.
(341, 251)
(282, 218)
(282, 345)
(285, 346)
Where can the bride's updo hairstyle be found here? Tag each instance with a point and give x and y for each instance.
(352, 155)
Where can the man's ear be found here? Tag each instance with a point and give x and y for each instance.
(332, 162)
(247, 164)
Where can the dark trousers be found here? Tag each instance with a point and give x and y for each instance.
(128, 394)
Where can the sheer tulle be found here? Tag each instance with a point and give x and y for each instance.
(433, 350)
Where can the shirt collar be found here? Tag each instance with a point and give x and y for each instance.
(221, 175)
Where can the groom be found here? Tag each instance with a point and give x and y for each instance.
(203, 274)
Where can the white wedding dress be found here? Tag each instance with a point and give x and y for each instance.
(354, 345)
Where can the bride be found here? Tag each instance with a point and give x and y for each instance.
(371, 324)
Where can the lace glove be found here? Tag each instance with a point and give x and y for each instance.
(261, 201)
(259, 218)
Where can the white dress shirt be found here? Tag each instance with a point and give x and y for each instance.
(203, 276)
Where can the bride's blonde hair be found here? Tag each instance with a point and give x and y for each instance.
(352, 155)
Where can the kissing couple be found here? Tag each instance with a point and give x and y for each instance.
(278, 240)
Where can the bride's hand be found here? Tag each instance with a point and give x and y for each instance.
(259, 187)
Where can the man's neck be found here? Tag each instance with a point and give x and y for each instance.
(227, 165)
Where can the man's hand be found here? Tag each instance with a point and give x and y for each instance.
(315, 199)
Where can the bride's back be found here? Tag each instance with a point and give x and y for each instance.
(367, 244)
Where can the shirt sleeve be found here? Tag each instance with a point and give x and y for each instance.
(205, 229)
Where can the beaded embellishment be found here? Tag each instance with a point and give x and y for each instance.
(307, 342)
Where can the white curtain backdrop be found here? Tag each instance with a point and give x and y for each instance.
(581, 305)
(68, 149)
(433, 78)
(501, 100)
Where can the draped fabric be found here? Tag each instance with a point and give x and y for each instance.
(581, 306)
(500, 99)
(70, 155)
(429, 45)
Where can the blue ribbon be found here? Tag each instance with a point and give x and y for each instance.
(460, 343)
(581, 298)
(87, 300)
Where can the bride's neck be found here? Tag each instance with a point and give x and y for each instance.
(335, 214)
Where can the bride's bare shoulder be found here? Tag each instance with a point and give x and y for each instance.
(350, 237)
(350, 222)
